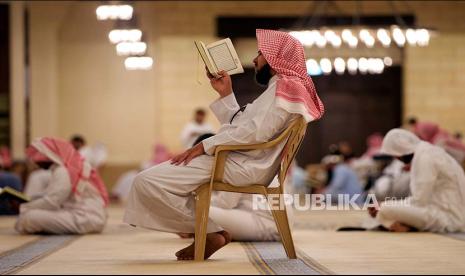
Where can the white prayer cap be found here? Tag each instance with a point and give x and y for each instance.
(399, 142)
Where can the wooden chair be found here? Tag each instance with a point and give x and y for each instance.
(294, 135)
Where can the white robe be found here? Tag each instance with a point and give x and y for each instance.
(123, 185)
(438, 194)
(394, 182)
(192, 131)
(60, 211)
(161, 197)
(95, 155)
(37, 183)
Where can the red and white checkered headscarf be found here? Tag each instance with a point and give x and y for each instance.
(295, 91)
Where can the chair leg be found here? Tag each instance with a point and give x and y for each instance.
(202, 208)
(282, 223)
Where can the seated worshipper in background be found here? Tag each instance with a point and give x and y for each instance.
(37, 183)
(365, 166)
(299, 179)
(161, 197)
(342, 180)
(343, 148)
(195, 128)
(96, 155)
(21, 169)
(374, 142)
(394, 180)
(75, 199)
(437, 184)
(9, 206)
(5, 158)
(123, 185)
(432, 133)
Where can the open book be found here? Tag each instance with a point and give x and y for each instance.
(218, 56)
(8, 192)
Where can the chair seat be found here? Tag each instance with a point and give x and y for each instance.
(249, 189)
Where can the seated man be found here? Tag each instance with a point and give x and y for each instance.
(437, 185)
(342, 180)
(75, 198)
(161, 197)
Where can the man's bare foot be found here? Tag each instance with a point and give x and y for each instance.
(373, 211)
(400, 228)
(185, 235)
(214, 242)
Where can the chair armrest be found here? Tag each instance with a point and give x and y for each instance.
(222, 151)
(258, 146)
(221, 148)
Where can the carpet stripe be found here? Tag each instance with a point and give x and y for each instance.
(314, 264)
(256, 260)
(22, 256)
(269, 258)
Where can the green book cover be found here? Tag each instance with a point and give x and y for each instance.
(10, 192)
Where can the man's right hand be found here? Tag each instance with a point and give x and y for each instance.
(222, 85)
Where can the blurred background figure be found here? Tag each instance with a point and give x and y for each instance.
(434, 134)
(392, 181)
(437, 184)
(123, 185)
(75, 198)
(342, 180)
(96, 154)
(8, 179)
(195, 128)
(374, 142)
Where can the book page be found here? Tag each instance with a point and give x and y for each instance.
(222, 57)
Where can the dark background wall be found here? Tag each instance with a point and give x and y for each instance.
(356, 106)
(4, 75)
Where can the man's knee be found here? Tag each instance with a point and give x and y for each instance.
(29, 222)
(147, 177)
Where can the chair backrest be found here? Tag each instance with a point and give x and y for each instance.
(296, 135)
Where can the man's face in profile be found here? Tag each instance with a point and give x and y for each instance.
(262, 70)
(259, 61)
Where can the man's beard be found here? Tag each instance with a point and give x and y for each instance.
(263, 75)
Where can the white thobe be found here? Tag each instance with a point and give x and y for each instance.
(61, 211)
(161, 197)
(37, 183)
(192, 131)
(123, 185)
(96, 155)
(394, 182)
(438, 194)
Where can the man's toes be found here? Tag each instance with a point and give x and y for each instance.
(179, 253)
